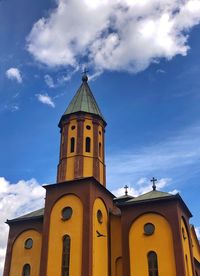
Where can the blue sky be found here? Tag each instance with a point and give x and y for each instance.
(143, 60)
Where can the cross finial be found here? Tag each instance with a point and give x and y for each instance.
(84, 75)
(126, 190)
(154, 180)
(85, 71)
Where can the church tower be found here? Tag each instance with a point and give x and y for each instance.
(82, 128)
(84, 230)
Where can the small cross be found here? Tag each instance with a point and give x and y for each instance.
(126, 190)
(85, 71)
(154, 180)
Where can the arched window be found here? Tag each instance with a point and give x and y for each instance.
(72, 145)
(87, 144)
(66, 255)
(26, 270)
(99, 149)
(152, 263)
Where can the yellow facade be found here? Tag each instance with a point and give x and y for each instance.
(186, 249)
(160, 242)
(72, 133)
(116, 247)
(58, 228)
(195, 246)
(22, 256)
(100, 243)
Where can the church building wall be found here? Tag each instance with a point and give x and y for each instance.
(72, 134)
(22, 256)
(88, 156)
(58, 229)
(160, 242)
(195, 245)
(100, 243)
(186, 248)
(116, 246)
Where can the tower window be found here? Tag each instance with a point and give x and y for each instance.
(66, 255)
(88, 144)
(152, 263)
(88, 127)
(28, 243)
(72, 145)
(100, 149)
(73, 127)
(26, 270)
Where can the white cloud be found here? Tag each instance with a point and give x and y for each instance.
(45, 99)
(15, 200)
(115, 34)
(14, 74)
(197, 230)
(49, 81)
(141, 186)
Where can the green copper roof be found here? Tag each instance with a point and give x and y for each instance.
(84, 101)
(152, 195)
(32, 215)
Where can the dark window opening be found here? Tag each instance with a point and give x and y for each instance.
(72, 146)
(88, 127)
(87, 144)
(99, 149)
(66, 255)
(26, 270)
(28, 243)
(152, 263)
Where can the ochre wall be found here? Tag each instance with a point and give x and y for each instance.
(88, 156)
(100, 244)
(70, 155)
(101, 153)
(58, 228)
(161, 242)
(116, 246)
(195, 246)
(22, 256)
(186, 249)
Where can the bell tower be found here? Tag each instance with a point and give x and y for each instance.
(82, 129)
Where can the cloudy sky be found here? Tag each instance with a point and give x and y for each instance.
(143, 61)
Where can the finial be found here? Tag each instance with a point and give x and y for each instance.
(154, 180)
(84, 75)
(126, 190)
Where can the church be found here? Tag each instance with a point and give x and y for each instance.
(84, 230)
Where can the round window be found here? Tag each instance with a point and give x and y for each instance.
(99, 216)
(66, 213)
(73, 127)
(88, 127)
(28, 243)
(149, 229)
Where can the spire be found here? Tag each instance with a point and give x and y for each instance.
(84, 100)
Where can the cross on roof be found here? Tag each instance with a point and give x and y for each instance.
(126, 190)
(85, 71)
(154, 180)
